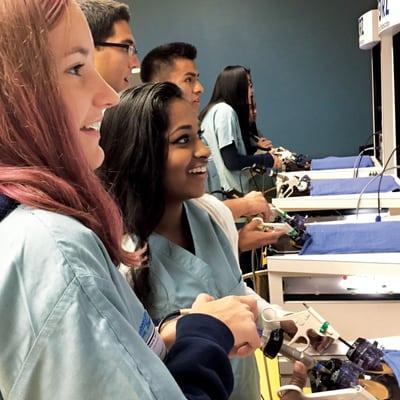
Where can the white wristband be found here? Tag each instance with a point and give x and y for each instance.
(283, 389)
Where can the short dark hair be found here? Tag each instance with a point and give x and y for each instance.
(101, 16)
(163, 56)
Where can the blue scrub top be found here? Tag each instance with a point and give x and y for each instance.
(71, 327)
(177, 276)
(221, 128)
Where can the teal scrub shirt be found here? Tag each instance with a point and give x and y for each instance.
(220, 129)
(177, 276)
(71, 327)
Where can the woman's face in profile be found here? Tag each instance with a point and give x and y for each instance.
(186, 167)
(84, 92)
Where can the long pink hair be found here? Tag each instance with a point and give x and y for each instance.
(41, 162)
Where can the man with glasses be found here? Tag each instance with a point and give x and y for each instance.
(116, 53)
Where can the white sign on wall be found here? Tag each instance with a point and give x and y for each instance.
(368, 35)
(389, 16)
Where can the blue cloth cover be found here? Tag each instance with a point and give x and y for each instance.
(392, 357)
(326, 187)
(341, 162)
(375, 237)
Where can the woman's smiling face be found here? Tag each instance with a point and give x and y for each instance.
(186, 167)
(84, 92)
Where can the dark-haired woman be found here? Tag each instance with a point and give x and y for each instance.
(156, 165)
(225, 122)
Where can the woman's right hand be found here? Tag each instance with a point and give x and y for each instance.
(239, 314)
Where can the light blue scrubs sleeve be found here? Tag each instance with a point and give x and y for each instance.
(221, 129)
(83, 351)
(71, 327)
(177, 276)
(226, 126)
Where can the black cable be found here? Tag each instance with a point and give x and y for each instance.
(228, 194)
(338, 213)
(365, 187)
(253, 178)
(378, 133)
(240, 178)
(268, 190)
(272, 250)
(360, 156)
(366, 149)
(218, 192)
(346, 343)
(378, 218)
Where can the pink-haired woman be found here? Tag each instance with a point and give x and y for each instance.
(71, 328)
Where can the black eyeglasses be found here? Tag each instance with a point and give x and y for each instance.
(129, 48)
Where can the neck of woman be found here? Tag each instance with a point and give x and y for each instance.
(174, 226)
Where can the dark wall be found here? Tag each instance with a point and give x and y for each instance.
(312, 83)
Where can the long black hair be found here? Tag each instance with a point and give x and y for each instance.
(232, 87)
(136, 151)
